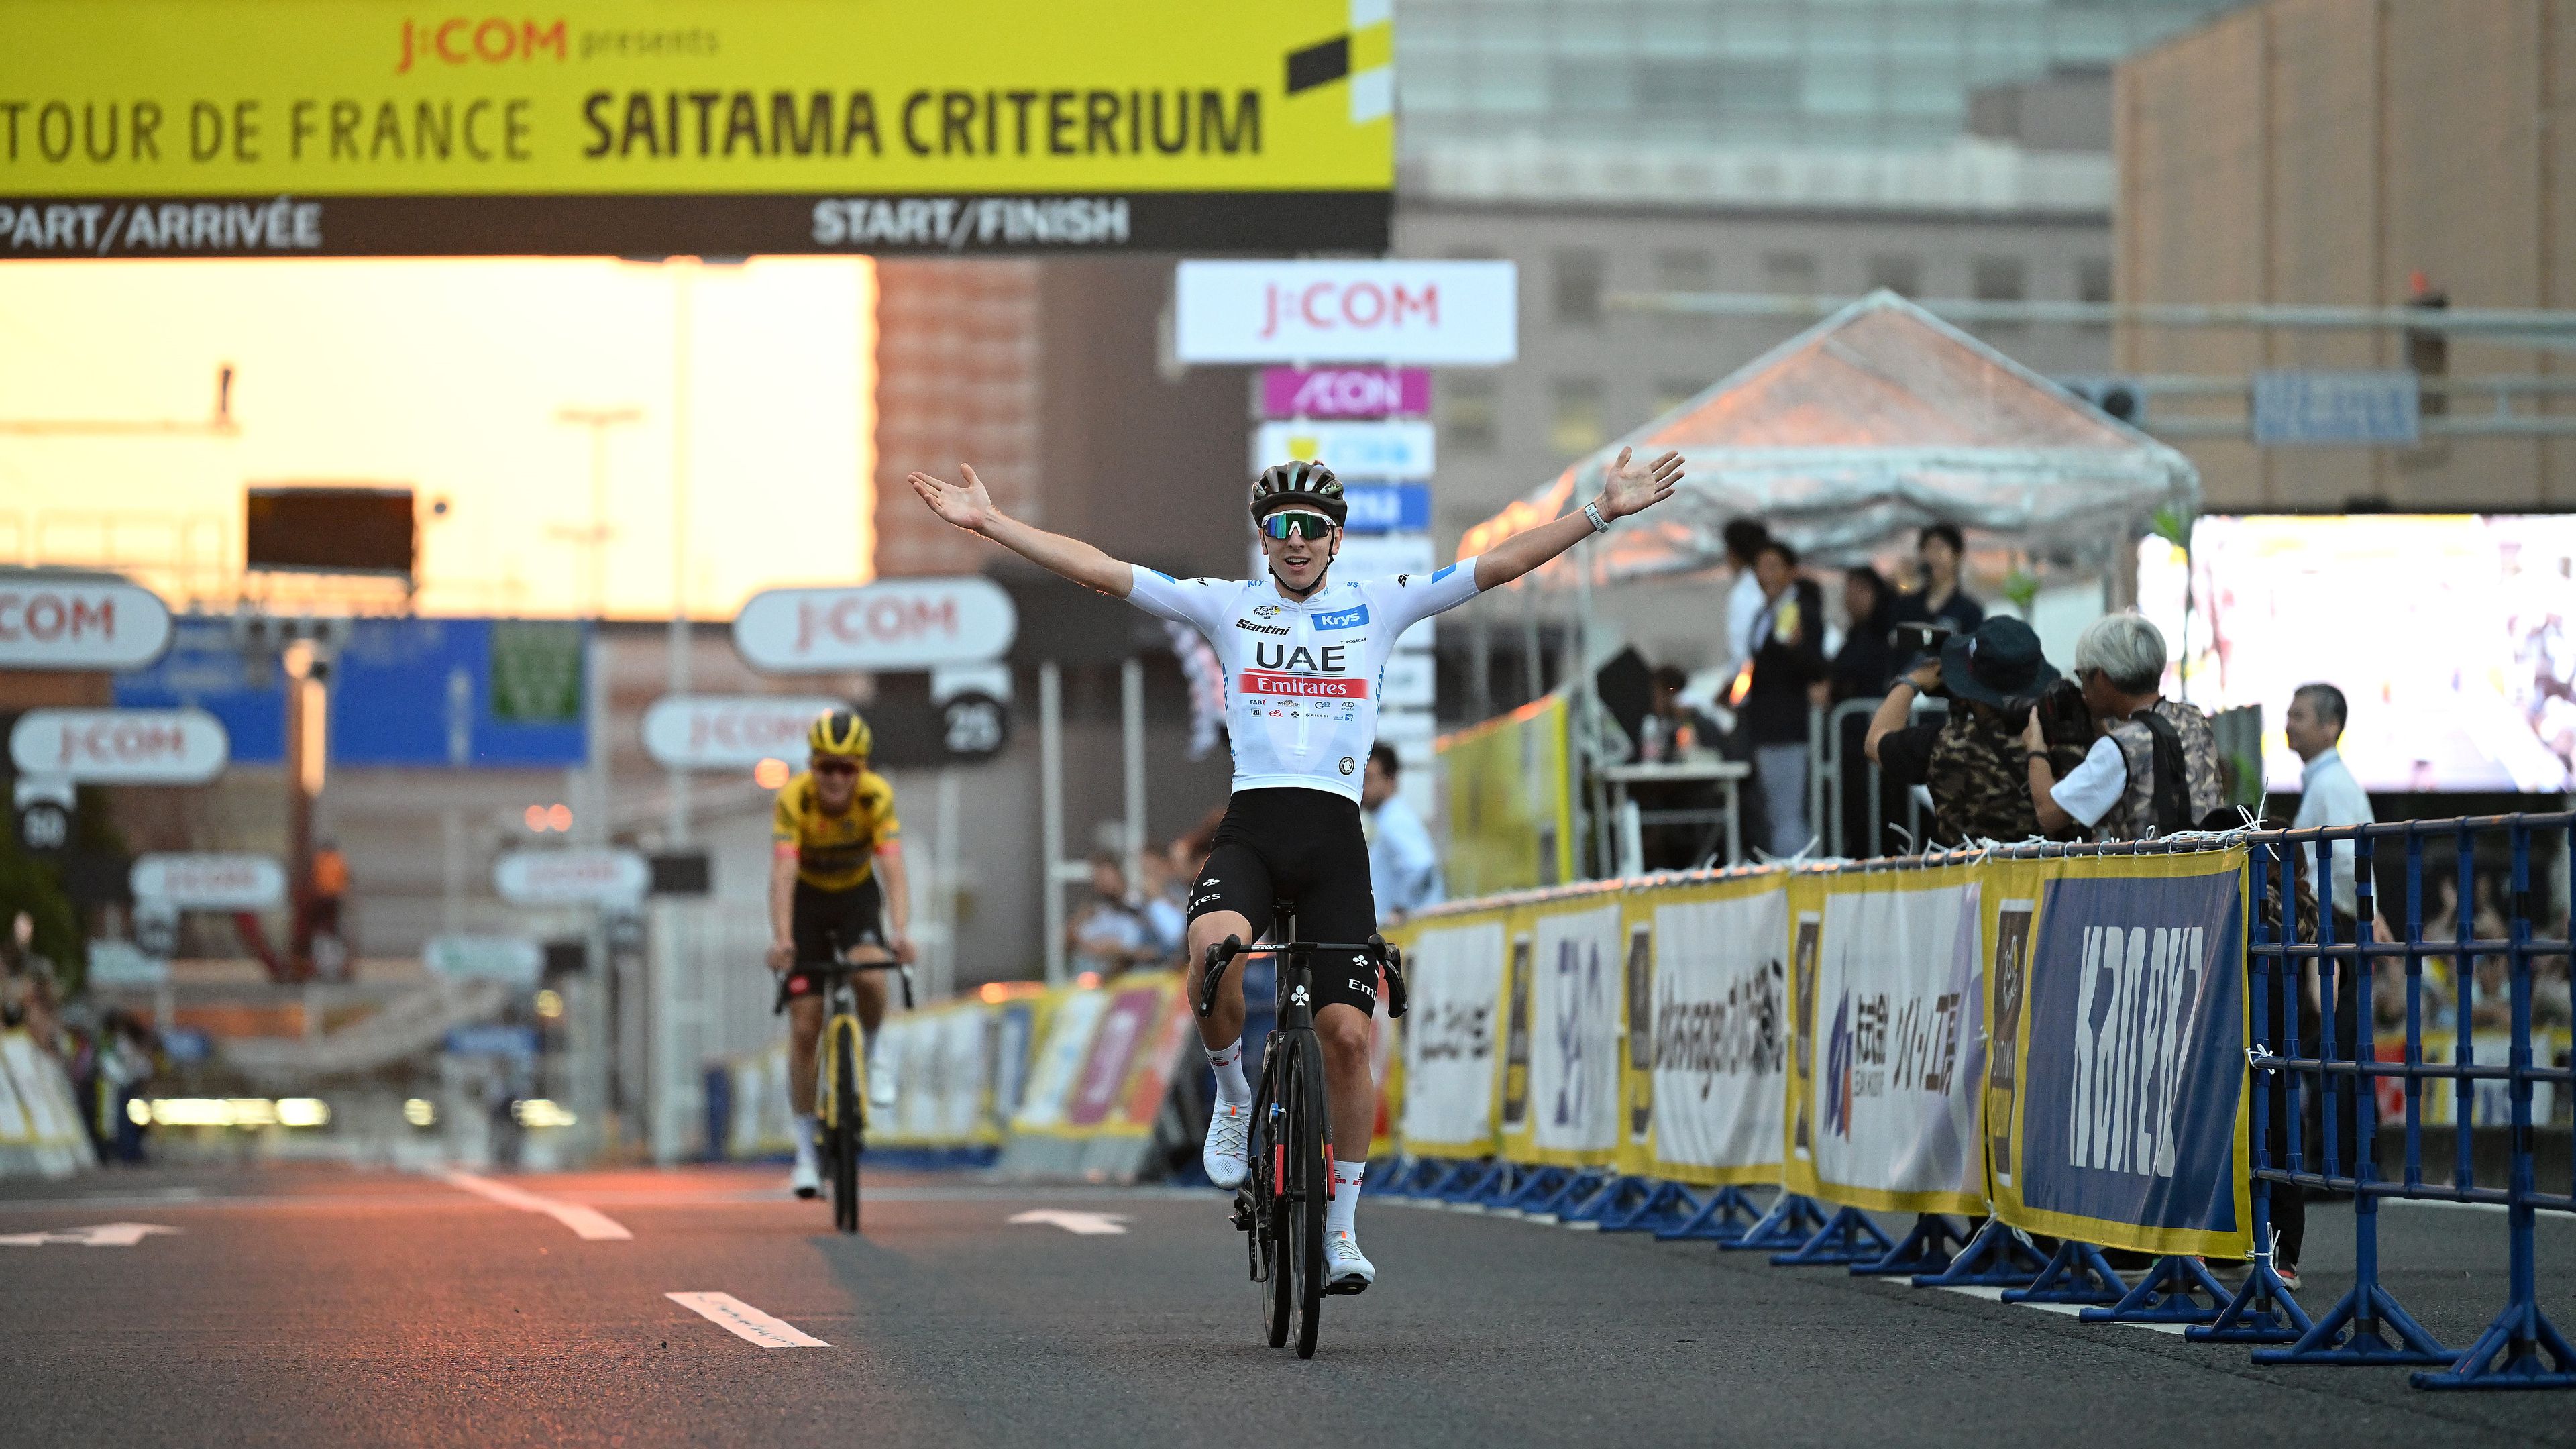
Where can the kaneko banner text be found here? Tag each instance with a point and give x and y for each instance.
(338, 127)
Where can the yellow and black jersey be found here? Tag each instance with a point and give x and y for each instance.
(835, 852)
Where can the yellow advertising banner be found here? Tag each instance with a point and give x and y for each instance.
(1561, 1087)
(1511, 801)
(358, 127)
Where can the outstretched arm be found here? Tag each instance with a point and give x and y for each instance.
(1625, 488)
(969, 507)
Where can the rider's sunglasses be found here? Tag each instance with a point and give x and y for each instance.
(836, 767)
(1301, 525)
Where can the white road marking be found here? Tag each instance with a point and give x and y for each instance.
(1995, 1295)
(589, 1224)
(1088, 1225)
(97, 1235)
(746, 1322)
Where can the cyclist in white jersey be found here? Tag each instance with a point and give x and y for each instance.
(1303, 657)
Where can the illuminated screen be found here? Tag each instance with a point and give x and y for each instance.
(2452, 637)
(329, 530)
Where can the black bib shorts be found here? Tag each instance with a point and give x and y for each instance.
(1303, 847)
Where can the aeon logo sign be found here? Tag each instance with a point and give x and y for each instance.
(2144, 985)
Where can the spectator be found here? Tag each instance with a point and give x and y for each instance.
(1867, 660)
(2328, 794)
(1972, 761)
(1166, 907)
(1939, 548)
(2154, 770)
(1788, 660)
(1111, 935)
(1404, 869)
(1745, 539)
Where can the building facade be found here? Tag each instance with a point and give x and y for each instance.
(2362, 153)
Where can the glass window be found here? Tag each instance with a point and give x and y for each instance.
(1789, 272)
(1998, 279)
(1575, 424)
(1577, 291)
(2093, 284)
(1466, 411)
(1899, 274)
(1685, 271)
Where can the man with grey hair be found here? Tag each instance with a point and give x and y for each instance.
(2154, 769)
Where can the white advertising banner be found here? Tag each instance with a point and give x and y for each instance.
(570, 877)
(208, 881)
(1452, 312)
(1898, 1055)
(1455, 977)
(80, 624)
(729, 732)
(1574, 1033)
(965, 1066)
(1719, 1046)
(515, 960)
(121, 746)
(899, 624)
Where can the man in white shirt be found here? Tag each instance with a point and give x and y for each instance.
(1404, 868)
(2328, 794)
(1745, 539)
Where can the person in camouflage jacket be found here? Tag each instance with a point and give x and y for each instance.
(1970, 762)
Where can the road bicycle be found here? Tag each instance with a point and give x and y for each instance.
(1281, 1202)
(840, 1114)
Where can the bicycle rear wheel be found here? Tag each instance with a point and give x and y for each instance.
(1307, 1181)
(1270, 1219)
(845, 1131)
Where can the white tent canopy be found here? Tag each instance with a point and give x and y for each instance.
(1878, 420)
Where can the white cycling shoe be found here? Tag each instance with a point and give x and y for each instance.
(1229, 1136)
(1346, 1268)
(880, 1083)
(807, 1178)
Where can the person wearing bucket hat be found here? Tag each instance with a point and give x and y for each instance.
(1973, 762)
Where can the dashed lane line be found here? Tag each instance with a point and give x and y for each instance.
(587, 1223)
(746, 1322)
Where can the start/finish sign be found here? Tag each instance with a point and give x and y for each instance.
(710, 127)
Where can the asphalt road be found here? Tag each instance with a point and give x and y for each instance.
(313, 1306)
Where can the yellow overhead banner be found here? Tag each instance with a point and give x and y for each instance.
(261, 127)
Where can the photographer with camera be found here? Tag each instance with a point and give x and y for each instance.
(2155, 768)
(1971, 762)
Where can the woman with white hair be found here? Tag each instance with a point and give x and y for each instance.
(2154, 770)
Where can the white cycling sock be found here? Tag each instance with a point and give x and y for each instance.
(1231, 1088)
(804, 1134)
(1343, 1208)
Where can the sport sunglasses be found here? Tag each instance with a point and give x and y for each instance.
(836, 767)
(1286, 523)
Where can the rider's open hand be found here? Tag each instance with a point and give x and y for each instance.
(1628, 487)
(965, 504)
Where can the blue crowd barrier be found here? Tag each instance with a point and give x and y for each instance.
(2520, 1348)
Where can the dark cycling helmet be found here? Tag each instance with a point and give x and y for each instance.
(839, 732)
(1301, 484)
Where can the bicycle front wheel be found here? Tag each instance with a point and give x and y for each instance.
(845, 1131)
(1270, 1220)
(1307, 1180)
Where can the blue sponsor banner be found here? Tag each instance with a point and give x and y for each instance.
(1350, 618)
(1388, 507)
(484, 693)
(2133, 1042)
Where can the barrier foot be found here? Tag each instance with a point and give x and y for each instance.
(1997, 1257)
(1448, 1179)
(1583, 1199)
(1658, 1205)
(2356, 1331)
(2177, 1289)
(2509, 1355)
(1425, 1174)
(1391, 1182)
(1477, 1184)
(1539, 1191)
(1927, 1249)
(2263, 1311)
(2078, 1274)
(1847, 1237)
(1724, 1217)
(1792, 1220)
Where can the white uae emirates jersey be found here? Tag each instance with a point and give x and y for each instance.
(1302, 676)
